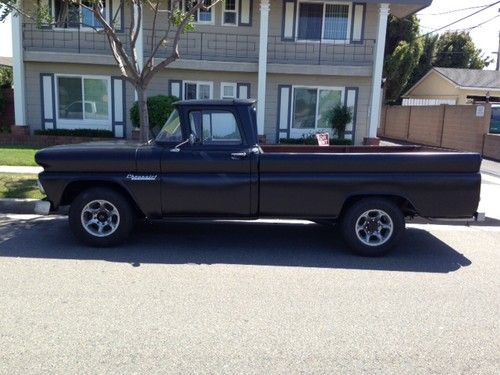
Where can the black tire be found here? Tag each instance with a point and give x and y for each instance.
(118, 222)
(372, 226)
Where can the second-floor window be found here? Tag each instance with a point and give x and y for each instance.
(201, 15)
(324, 21)
(230, 12)
(73, 15)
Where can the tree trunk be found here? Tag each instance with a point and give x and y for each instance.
(143, 114)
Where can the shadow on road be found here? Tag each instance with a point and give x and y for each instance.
(243, 243)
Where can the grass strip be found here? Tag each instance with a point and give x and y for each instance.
(17, 185)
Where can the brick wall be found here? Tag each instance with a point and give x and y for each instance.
(456, 127)
(426, 125)
(395, 122)
(492, 146)
(463, 130)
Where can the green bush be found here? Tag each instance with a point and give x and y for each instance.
(338, 118)
(6, 77)
(312, 141)
(159, 109)
(97, 133)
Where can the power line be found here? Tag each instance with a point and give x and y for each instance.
(481, 24)
(450, 11)
(461, 19)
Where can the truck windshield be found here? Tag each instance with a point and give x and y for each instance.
(171, 131)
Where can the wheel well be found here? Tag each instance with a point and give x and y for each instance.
(73, 189)
(404, 204)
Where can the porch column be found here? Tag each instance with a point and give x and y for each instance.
(18, 69)
(378, 65)
(262, 74)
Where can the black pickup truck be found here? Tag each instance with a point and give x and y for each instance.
(206, 163)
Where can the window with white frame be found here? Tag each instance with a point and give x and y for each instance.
(81, 98)
(327, 21)
(69, 14)
(201, 15)
(230, 12)
(228, 90)
(310, 104)
(197, 90)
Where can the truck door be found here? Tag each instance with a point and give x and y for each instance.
(212, 176)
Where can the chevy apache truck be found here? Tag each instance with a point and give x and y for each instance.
(206, 162)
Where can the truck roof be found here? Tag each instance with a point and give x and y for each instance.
(218, 102)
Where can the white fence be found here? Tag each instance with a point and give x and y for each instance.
(425, 102)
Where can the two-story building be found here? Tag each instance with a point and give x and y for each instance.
(297, 57)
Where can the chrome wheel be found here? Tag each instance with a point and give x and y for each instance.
(100, 218)
(374, 227)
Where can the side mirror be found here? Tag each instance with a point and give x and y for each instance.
(191, 140)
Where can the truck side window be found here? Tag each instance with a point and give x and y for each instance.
(215, 127)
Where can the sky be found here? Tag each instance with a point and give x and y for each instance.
(485, 36)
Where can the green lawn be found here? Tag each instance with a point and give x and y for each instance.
(12, 155)
(17, 185)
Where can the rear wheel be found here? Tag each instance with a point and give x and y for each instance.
(101, 217)
(372, 226)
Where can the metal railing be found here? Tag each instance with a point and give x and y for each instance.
(232, 47)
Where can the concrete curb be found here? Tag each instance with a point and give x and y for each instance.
(18, 206)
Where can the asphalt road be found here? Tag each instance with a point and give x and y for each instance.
(246, 297)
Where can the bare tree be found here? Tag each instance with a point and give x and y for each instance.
(175, 20)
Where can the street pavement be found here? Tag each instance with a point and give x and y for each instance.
(262, 297)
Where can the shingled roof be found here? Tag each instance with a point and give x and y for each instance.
(472, 78)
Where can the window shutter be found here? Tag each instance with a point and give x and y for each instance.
(288, 22)
(351, 100)
(175, 88)
(48, 94)
(358, 22)
(45, 6)
(245, 17)
(116, 14)
(118, 106)
(243, 90)
(284, 103)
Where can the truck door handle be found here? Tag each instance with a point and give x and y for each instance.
(238, 155)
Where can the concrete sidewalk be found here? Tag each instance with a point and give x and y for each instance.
(19, 169)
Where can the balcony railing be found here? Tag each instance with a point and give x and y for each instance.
(231, 47)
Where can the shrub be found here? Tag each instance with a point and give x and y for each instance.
(159, 109)
(6, 77)
(338, 118)
(97, 133)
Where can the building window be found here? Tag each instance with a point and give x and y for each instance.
(324, 21)
(230, 12)
(201, 15)
(197, 90)
(227, 90)
(68, 15)
(81, 98)
(310, 105)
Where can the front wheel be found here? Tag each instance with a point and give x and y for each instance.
(100, 217)
(372, 227)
